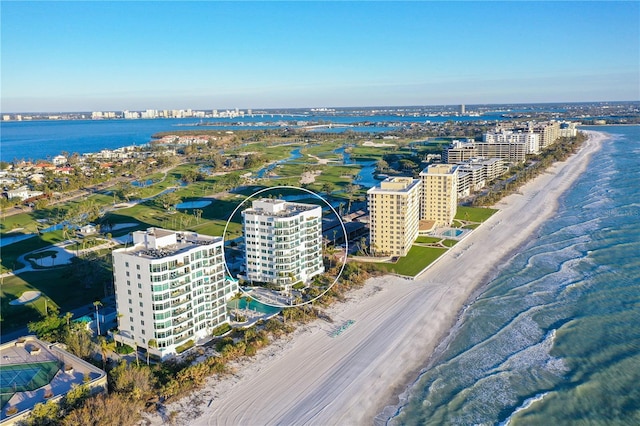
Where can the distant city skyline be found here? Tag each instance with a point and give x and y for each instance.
(100, 56)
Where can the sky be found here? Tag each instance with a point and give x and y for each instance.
(98, 56)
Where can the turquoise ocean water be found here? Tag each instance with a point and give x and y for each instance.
(554, 338)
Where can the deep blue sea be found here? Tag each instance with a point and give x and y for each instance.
(554, 338)
(40, 140)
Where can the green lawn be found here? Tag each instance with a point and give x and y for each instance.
(372, 153)
(427, 240)
(449, 243)
(61, 286)
(20, 220)
(474, 214)
(415, 261)
(11, 252)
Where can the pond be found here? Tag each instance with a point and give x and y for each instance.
(264, 172)
(193, 204)
(143, 184)
(366, 175)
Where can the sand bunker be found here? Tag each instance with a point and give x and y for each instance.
(27, 296)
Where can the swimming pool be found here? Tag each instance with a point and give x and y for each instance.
(452, 233)
(254, 305)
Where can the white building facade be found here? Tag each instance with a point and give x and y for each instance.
(283, 242)
(170, 288)
(530, 139)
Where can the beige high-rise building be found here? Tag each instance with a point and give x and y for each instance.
(549, 132)
(394, 209)
(459, 151)
(512, 152)
(439, 194)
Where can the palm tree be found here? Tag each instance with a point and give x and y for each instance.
(298, 301)
(96, 304)
(198, 214)
(153, 343)
(135, 351)
(351, 189)
(249, 333)
(105, 347)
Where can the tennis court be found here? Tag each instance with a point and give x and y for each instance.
(25, 377)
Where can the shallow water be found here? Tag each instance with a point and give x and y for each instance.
(554, 338)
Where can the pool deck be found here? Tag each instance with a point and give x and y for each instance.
(253, 315)
(445, 231)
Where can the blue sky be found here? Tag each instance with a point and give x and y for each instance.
(84, 56)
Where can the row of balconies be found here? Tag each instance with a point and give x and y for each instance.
(178, 293)
(179, 302)
(293, 231)
(290, 245)
(180, 320)
(287, 260)
(184, 336)
(177, 284)
(180, 311)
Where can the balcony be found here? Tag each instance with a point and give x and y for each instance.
(181, 338)
(178, 293)
(177, 284)
(177, 312)
(181, 302)
(181, 320)
(177, 274)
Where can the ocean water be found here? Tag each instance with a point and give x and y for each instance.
(554, 338)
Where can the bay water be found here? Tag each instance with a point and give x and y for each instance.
(554, 337)
(44, 139)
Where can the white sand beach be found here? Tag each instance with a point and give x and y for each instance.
(314, 378)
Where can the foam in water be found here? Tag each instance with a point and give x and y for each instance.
(525, 405)
(553, 338)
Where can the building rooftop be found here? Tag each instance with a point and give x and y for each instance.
(156, 243)
(395, 185)
(278, 208)
(438, 169)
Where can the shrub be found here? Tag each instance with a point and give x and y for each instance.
(186, 345)
(250, 350)
(221, 329)
(124, 349)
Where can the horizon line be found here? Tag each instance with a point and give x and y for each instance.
(327, 107)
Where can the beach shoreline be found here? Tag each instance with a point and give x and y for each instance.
(311, 377)
(400, 399)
